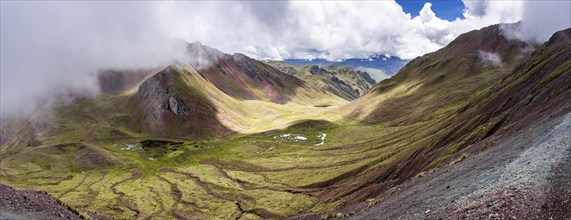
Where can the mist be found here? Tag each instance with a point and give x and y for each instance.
(540, 20)
(493, 59)
(51, 51)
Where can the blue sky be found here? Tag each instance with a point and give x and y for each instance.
(444, 9)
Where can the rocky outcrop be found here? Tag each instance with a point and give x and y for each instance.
(160, 89)
(167, 105)
(158, 86)
(316, 70)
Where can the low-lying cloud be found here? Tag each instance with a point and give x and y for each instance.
(50, 48)
(493, 59)
(51, 51)
(540, 20)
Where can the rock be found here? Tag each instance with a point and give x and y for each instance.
(177, 106)
(158, 86)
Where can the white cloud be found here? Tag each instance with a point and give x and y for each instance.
(541, 19)
(57, 46)
(490, 58)
(331, 30)
(50, 48)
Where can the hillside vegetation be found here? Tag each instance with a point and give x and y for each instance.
(240, 139)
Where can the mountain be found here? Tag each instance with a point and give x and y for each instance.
(378, 66)
(524, 117)
(342, 81)
(484, 120)
(210, 95)
(242, 77)
(448, 77)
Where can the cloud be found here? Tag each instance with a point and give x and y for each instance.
(332, 30)
(56, 47)
(52, 50)
(540, 20)
(490, 58)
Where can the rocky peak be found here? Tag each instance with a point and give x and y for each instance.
(490, 39)
(316, 70)
(202, 56)
(159, 85)
(160, 89)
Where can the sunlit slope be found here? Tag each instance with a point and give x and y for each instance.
(442, 81)
(98, 164)
(342, 81)
(211, 96)
(449, 108)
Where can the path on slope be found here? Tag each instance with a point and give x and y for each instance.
(526, 175)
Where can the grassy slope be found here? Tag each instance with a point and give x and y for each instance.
(351, 80)
(270, 174)
(98, 128)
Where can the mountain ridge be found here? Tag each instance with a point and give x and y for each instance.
(238, 138)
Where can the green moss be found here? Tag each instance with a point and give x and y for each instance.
(554, 74)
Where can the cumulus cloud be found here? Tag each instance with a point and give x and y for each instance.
(51, 47)
(330, 30)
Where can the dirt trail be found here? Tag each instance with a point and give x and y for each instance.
(527, 175)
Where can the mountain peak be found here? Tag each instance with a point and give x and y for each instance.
(202, 56)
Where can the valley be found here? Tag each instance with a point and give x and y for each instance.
(244, 139)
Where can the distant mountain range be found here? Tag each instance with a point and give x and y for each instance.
(379, 66)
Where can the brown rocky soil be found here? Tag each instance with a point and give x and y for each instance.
(524, 176)
(26, 204)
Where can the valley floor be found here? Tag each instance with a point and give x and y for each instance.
(524, 175)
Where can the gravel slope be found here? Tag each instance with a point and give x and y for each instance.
(26, 204)
(526, 175)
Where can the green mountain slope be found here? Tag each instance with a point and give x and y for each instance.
(342, 81)
(179, 144)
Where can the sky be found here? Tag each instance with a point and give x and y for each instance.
(50, 48)
(448, 10)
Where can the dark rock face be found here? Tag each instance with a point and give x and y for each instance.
(176, 106)
(316, 70)
(160, 88)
